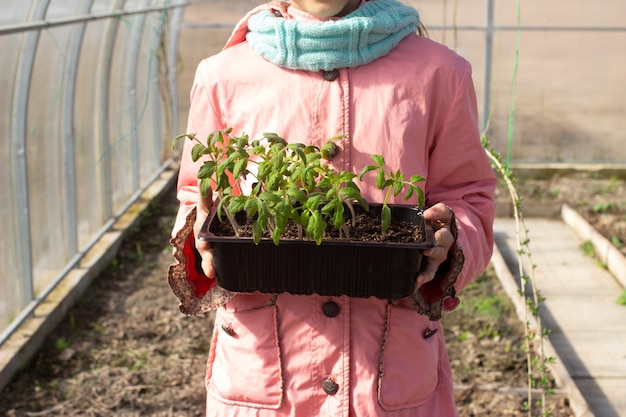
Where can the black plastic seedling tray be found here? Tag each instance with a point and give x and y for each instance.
(384, 270)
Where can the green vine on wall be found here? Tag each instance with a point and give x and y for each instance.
(534, 331)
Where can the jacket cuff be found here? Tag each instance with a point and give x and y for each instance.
(197, 293)
(439, 295)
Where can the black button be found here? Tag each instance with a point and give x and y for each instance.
(330, 387)
(330, 309)
(430, 333)
(330, 75)
(228, 330)
(277, 13)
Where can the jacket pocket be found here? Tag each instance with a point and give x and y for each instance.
(409, 367)
(246, 366)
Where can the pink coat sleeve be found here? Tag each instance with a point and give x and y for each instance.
(196, 291)
(203, 119)
(461, 177)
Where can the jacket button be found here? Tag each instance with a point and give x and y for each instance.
(330, 75)
(330, 309)
(228, 330)
(330, 387)
(430, 333)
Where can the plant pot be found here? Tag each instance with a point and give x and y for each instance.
(385, 270)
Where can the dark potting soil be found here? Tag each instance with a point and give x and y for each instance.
(364, 229)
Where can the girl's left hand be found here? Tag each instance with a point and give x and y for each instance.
(441, 218)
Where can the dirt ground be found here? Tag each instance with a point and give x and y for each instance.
(600, 199)
(125, 350)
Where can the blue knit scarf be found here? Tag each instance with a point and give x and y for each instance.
(368, 33)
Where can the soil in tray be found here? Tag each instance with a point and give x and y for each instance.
(366, 228)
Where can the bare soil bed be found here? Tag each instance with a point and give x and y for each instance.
(599, 198)
(125, 350)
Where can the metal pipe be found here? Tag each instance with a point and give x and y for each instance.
(174, 33)
(203, 26)
(101, 114)
(18, 129)
(537, 28)
(74, 262)
(67, 134)
(159, 58)
(21, 93)
(135, 42)
(116, 13)
(488, 66)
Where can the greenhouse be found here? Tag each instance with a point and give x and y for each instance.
(95, 91)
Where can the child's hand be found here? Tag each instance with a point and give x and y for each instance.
(441, 217)
(203, 247)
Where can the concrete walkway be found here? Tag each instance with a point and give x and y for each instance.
(588, 327)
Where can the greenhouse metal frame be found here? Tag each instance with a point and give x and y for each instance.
(88, 124)
(88, 92)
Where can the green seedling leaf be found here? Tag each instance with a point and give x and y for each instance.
(236, 204)
(380, 179)
(363, 203)
(313, 202)
(252, 207)
(242, 141)
(182, 136)
(296, 193)
(386, 218)
(207, 170)
(220, 209)
(409, 193)
(205, 186)
(338, 217)
(346, 177)
(260, 225)
(197, 152)
(274, 138)
(397, 188)
(240, 167)
(263, 170)
(223, 183)
(276, 234)
(223, 167)
(421, 199)
(270, 197)
(331, 206)
(313, 159)
(379, 159)
(366, 170)
(212, 139)
(308, 179)
(273, 180)
(257, 230)
(316, 227)
(349, 193)
(298, 149)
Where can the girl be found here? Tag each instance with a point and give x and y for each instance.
(309, 70)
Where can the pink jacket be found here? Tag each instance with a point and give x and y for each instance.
(294, 355)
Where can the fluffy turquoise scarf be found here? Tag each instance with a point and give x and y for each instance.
(371, 31)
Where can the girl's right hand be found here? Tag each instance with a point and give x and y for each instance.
(202, 246)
